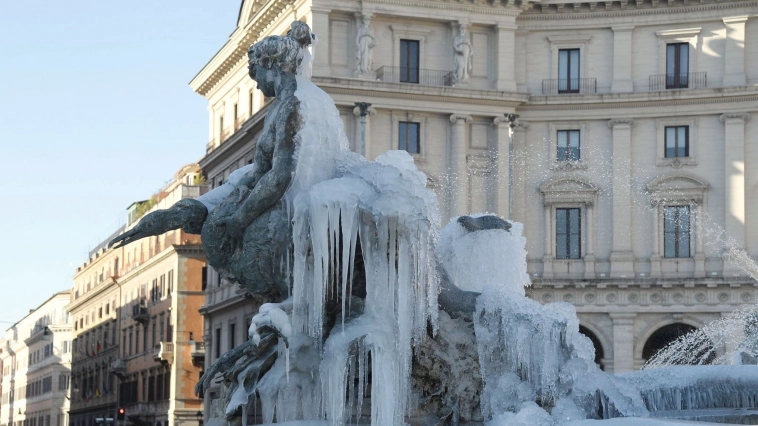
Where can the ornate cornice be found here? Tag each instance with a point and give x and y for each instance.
(642, 103)
(623, 8)
(496, 7)
(734, 116)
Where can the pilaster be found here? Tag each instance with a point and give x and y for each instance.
(622, 258)
(734, 169)
(502, 179)
(623, 341)
(734, 56)
(457, 164)
(622, 59)
(519, 185)
(320, 26)
(506, 57)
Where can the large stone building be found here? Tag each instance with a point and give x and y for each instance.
(633, 144)
(36, 360)
(135, 313)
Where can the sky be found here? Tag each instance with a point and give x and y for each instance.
(96, 112)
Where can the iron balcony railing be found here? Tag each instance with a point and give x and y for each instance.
(559, 86)
(691, 80)
(419, 76)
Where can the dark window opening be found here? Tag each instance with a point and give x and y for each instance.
(677, 65)
(568, 145)
(568, 233)
(409, 61)
(676, 231)
(677, 141)
(568, 71)
(409, 137)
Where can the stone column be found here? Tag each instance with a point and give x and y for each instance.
(320, 26)
(458, 174)
(734, 56)
(503, 175)
(365, 149)
(734, 169)
(622, 58)
(622, 259)
(506, 55)
(589, 257)
(518, 195)
(623, 341)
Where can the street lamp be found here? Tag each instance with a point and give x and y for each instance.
(199, 416)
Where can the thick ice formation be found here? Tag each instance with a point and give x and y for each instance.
(336, 200)
(527, 351)
(471, 259)
(697, 387)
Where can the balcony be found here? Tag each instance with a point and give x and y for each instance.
(576, 86)
(418, 76)
(118, 367)
(197, 351)
(164, 352)
(692, 80)
(147, 408)
(140, 314)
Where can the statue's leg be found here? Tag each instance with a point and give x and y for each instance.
(262, 262)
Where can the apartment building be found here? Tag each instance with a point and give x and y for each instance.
(135, 312)
(618, 132)
(36, 366)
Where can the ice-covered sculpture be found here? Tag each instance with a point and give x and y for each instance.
(347, 254)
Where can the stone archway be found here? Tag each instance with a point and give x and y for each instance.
(665, 335)
(599, 352)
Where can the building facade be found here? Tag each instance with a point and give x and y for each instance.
(36, 360)
(135, 312)
(618, 132)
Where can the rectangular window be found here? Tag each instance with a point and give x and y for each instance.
(677, 141)
(568, 233)
(250, 102)
(568, 71)
(204, 278)
(232, 333)
(677, 65)
(568, 145)
(218, 343)
(409, 61)
(408, 139)
(170, 282)
(136, 341)
(676, 231)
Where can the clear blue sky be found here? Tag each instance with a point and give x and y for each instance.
(95, 113)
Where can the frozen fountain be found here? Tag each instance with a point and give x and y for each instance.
(373, 314)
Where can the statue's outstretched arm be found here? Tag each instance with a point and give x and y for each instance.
(274, 183)
(188, 214)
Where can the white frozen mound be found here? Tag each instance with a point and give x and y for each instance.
(697, 387)
(528, 351)
(473, 260)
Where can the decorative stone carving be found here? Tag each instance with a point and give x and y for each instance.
(621, 122)
(734, 116)
(700, 297)
(633, 298)
(365, 43)
(723, 297)
(463, 55)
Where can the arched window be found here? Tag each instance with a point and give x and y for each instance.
(599, 354)
(672, 332)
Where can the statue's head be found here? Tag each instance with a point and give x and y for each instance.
(366, 20)
(276, 55)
